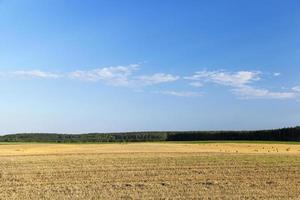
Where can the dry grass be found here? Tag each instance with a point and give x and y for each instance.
(150, 171)
(251, 148)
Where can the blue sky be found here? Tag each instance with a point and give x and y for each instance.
(104, 66)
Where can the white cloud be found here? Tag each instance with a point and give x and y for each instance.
(240, 83)
(251, 92)
(114, 75)
(276, 74)
(122, 76)
(296, 88)
(226, 78)
(34, 74)
(196, 84)
(180, 93)
(157, 78)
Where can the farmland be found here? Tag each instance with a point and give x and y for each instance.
(150, 171)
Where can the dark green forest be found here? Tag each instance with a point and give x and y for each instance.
(284, 134)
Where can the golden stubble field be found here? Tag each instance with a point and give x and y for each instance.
(150, 171)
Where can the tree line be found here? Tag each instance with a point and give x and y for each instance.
(284, 134)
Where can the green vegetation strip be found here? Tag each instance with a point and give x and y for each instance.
(272, 136)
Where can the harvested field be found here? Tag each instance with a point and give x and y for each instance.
(150, 171)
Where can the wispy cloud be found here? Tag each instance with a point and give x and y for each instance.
(235, 79)
(276, 74)
(113, 75)
(251, 92)
(296, 88)
(34, 74)
(28, 74)
(240, 83)
(180, 93)
(157, 78)
(122, 76)
(196, 84)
